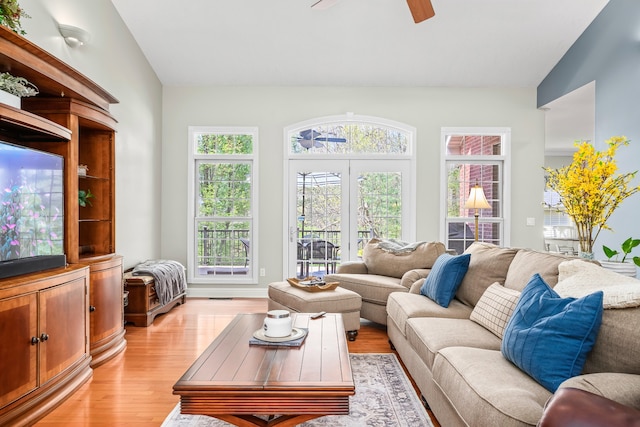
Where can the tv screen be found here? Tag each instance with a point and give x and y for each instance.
(31, 203)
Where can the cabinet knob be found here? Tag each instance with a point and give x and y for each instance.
(35, 340)
(44, 337)
(92, 308)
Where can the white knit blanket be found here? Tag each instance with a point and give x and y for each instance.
(578, 278)
(397, 247)
(170, 280)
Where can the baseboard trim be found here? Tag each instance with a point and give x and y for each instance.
(226, 293)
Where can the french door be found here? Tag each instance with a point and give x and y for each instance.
(336, 206)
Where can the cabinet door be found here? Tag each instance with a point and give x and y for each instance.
(18, 325)
(63, 331)
(107, 316)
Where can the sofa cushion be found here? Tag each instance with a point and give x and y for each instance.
(385, 263)
(495, 307)
(527, 262)
(618, 344)
(445, 277)
(371, 287)
(429, 335)
(549, 337)
(489, 264)
(486, 389)
(404, 306)
(352, 267)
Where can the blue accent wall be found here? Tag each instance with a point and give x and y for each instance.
(608, 52)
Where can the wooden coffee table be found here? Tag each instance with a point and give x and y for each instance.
(235, 381)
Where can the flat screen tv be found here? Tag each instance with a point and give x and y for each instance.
(31, 210)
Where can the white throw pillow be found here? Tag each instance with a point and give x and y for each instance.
(579, 278)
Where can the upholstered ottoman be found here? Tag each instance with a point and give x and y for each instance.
(283, 296)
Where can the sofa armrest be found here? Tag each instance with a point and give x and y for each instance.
(352, 267)
(412, 276)
(622, 388)
(572, 407)
(415, 288)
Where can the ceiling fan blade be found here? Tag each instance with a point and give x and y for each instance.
(421, 10)
(323, 4)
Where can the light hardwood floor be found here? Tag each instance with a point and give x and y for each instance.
(135, 388)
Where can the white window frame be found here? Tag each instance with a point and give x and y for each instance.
(504, 159)
(407, 159)
(194, 158)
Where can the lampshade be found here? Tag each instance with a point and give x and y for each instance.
(477, 199)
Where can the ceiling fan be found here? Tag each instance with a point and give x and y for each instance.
(311, 138)
(421, 10)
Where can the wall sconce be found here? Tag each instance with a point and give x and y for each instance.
(74, 36)
(477, 200)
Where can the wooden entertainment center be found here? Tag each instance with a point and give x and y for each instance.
(57, 325)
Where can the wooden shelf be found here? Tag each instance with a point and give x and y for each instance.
(21, 125)
(90, 177)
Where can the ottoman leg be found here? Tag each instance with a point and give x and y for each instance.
(352, 335)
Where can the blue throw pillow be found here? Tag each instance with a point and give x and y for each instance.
(445, 277)
(550, 337)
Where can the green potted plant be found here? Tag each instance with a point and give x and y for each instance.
(622, 266)
(10, 15)
(84, 196)
(13, 88)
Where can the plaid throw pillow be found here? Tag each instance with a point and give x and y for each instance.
(495, 307)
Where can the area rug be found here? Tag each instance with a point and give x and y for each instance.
(384, 398)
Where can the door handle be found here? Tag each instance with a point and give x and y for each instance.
(292, 234)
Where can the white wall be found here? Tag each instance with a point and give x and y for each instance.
(113, 60)
(151, 145)
(273, 108)
(557, 162)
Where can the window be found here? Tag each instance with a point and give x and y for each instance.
(560, 234)
(350, 178)
(477, 156)
(222, 199)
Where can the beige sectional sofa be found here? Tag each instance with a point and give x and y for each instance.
(457, 362)
(383, 272)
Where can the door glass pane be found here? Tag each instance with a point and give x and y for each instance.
(379, 206)
(318, 222)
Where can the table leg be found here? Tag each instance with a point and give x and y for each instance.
(253, 421)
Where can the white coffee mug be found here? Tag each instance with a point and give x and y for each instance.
(277, 324)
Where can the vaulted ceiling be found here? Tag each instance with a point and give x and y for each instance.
(469, 43)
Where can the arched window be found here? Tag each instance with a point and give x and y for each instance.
(350, 178)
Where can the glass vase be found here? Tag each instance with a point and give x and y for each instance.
(586, 255)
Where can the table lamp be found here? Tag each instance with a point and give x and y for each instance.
(476, 201)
